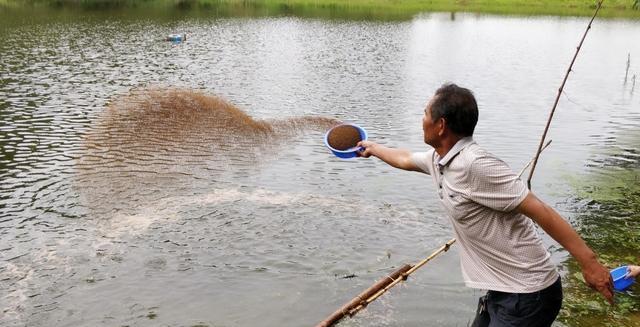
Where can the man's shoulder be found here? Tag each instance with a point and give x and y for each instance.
(429, 154)
(474, 151)
(477, 159)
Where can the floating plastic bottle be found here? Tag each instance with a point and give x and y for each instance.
(176, 37)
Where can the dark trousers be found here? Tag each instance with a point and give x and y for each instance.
(537, 309)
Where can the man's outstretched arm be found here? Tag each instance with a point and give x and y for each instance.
(398, 158)
(595, 274)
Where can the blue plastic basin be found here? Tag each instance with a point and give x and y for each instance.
(619, 282)
(348, 153)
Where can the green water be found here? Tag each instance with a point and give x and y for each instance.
(609, 221)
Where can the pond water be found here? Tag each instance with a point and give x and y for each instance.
(148, 183)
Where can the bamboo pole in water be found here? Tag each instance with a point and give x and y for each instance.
(373, 297)
(362, 297)
(379, 288)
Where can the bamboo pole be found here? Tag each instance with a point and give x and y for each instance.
(555, 104)
(362, 297)
(379, 288)
(373, 297)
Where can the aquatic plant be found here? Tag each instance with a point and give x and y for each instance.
(607, 214)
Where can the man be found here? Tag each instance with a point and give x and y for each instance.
(492, 213)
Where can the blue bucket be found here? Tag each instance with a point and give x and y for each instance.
(348, 153)
(620, 283)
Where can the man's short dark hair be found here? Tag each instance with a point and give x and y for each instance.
(457, 106)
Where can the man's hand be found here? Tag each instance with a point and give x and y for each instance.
(599, 279)
(632, 271)
(367, 148)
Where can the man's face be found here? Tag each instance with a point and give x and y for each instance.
(429, 127)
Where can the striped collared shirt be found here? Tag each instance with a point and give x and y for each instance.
(500, 249)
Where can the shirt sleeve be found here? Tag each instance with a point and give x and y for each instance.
(424, 161)
(495, 185)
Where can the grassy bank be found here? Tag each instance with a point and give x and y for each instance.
(365, 9)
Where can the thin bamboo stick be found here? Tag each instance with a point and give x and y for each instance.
(531, 161)
(555, 104)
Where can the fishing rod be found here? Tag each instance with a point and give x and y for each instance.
(555, 104)
(383, 285)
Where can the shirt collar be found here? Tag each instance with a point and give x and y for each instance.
(461, 144)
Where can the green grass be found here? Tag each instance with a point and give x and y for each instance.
(365, 9)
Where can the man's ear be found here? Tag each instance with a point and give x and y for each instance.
(442, 124)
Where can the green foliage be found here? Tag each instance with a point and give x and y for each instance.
(352, 9)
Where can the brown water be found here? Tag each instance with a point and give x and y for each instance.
(147, 183)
